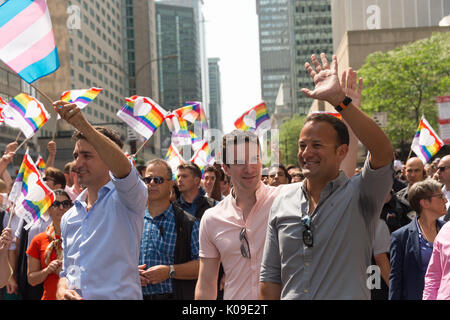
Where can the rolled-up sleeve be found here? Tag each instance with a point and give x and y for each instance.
(131, 191)
(271, 261)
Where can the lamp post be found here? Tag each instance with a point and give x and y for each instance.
(132, 81)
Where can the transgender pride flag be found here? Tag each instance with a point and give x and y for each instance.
(27, 44)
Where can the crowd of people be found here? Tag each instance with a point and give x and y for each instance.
(237, 230)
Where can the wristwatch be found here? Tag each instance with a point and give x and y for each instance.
(343, 104)
(172, 272)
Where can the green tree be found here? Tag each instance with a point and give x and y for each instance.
(288, 139)
(404, 83)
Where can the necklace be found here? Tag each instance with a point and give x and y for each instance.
(425, 234)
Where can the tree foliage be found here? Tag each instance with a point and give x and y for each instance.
(404, 83)
(288, 139)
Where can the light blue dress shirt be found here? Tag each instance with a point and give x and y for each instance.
(101, 246)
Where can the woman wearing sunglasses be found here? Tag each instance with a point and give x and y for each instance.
(45, 252)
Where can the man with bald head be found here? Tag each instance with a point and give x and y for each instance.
(443, 170)
(414, 172)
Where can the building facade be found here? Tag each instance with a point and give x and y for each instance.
(215, 94)
(179, 79)
(275, 47)
(312, 29)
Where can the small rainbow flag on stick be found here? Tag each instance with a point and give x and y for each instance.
(197, 107)
(256, 119)
(40, 164)
(179, 128)
(2, 105)
(81, 97)
(142, 114)
(174, 159)
(203, 156)
(426, 142)
(25, 113)
(35, 197)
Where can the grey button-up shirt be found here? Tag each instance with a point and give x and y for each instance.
(343, 225)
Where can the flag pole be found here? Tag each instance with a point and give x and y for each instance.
(51, 103)
(18, 136)
(140, 148)
(20, 145)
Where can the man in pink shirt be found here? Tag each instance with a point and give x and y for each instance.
(437, 278)
(234, 231)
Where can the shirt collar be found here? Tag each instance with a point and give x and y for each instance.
(81, 199)
(331, 186)
(165, 214)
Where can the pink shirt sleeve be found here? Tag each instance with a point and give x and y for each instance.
(207, 247)
(433, 275)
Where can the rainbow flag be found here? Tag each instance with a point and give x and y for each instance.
(426, 142)
(81, 97)
(179, 128)
(142, 114)
(27, 44)
(197, 143)
(25, 113)
(174, 159)
(35, 196)
(197, 107)
(203, 157)
(40, 164)
(256, 119)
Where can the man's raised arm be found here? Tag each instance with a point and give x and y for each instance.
(328, 88)
(109, 152)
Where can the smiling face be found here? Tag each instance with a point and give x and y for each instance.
(56, 213)
(90, 169)
(320, 154)
(245, 176)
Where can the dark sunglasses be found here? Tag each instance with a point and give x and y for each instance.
(245, 247)
(157, 180)
(66, 204)
(307, 233)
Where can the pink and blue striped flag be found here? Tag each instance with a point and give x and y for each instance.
(27, 44)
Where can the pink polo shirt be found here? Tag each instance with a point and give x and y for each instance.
(219, 237)
(437, 278)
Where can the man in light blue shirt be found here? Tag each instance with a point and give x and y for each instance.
(102, 231)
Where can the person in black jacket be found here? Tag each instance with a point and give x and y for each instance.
(168, 260)
(193, 198)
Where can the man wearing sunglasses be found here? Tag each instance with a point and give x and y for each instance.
(319, 237)
(168, 262)
(444, 178)
(102, 231)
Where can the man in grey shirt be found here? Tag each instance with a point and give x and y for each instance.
(319, 237)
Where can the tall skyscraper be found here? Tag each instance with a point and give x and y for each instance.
(180, 78)
(203, 60)
(312, 34)
(215, 104)
(275, 46)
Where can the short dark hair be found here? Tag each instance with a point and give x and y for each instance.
(209, 168)
(338, 125)
(107, 132)
(159, 162)
(195, 170)
(234, 137)
(282, 167)
(422, 190)
(56, 175)
(61, 192)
